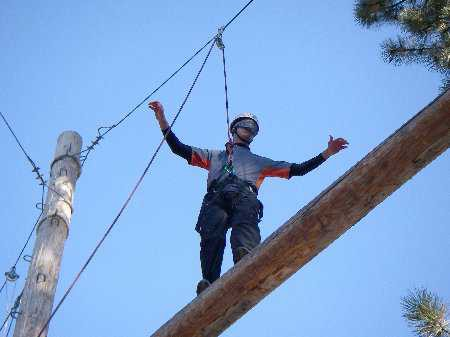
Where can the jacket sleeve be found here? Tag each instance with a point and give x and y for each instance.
(282, 169)
(307, 166)
(177, 147)
(194, 156)
(272, 168)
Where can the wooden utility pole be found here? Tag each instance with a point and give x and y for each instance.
(317, 225)
(52, 231)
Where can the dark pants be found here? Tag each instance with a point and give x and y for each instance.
(239, 211)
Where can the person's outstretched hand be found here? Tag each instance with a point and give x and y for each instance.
(158, 108)
(334, 146)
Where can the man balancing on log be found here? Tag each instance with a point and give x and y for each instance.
(234, 177)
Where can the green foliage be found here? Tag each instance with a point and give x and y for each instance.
(426, 313)
(425, 31)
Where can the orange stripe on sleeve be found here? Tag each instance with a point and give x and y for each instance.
(197, 160)
(282, 172)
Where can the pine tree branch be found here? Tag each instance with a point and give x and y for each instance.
(395, 5)
(369, 12)
(425, 28)
(380, 3)
(426, 313)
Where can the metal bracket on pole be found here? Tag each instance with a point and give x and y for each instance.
(11, 275)
(15, 312)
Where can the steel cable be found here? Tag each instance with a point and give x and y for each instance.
(101, 134)
(42, 183)
(141, 178)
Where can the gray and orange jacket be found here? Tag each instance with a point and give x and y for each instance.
(247, 166)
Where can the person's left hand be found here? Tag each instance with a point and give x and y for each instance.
(334, 146)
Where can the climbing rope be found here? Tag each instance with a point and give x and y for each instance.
(221, 46)
(230, 144)
(104, 130)
(101, 132)
(141, 178)
(217, 39)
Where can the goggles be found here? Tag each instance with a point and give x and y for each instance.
(247, 124)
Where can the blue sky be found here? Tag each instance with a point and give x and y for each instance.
(305, 68)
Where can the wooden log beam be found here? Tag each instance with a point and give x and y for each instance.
(317, 225)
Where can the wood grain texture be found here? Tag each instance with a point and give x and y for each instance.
(317, 225)
(40, 286)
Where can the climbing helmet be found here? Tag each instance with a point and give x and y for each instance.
(245, 120)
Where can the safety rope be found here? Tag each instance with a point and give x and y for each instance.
(221, 46)
(85, 153)
(100, 131)
(230, 144)
(141, 178)
(101, 134)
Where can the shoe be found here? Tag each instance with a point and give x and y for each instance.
(202, 285)
(240, 253)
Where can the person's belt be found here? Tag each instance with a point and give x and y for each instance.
(216, 186)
